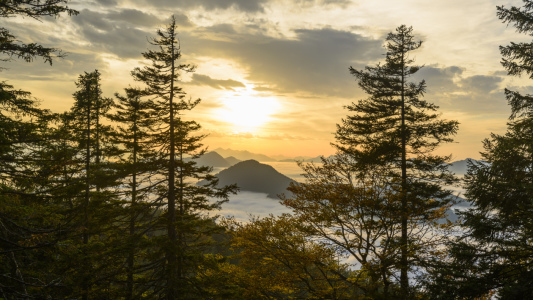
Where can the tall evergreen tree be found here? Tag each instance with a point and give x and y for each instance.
(187, 225)
(134, 119)
(28, 221)
(495, 253)
(27, 224)
(395, 130)
(94, 205)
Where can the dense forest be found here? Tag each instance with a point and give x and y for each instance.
(103, 201)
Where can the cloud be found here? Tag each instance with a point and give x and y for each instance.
(115, 32)
(482, 83)
(242, 5)
(137, 17)
(279, 137)
(315, 61)
(440, 79)
(312, 3)
(124, 33)
(227, 84)
(69, 67)
(107, 2)
(245, 205)
(452, 91)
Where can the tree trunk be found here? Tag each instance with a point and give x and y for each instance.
(171, 251)
(85, 284)
(404, 279)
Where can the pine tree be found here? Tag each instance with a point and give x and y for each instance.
(28, 220)
(395, 130)
(133, 117)
(188, 226)
(494, 255)
(91, 192)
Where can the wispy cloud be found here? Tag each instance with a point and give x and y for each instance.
(227, 84)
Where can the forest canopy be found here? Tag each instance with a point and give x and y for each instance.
(107, 201)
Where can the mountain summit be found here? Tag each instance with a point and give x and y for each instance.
(213, 159)
(253, 176)
(243, 154)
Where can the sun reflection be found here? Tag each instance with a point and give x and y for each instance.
(247, 111)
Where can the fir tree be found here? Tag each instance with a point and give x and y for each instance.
(133, 117)
(91, 192)
(28, 220)
(494, 255)
(188, 226)
(395, 130)
(10, 47)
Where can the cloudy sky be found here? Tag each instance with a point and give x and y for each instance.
(273, 74)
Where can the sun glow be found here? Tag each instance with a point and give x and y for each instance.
(247, 111)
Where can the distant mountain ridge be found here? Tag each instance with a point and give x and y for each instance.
(243, 154)
(253, 176)
(213, 159)
(223, 158)
(460, 167)
(317, 159)
(233, 160)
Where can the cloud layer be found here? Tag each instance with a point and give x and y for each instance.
(297, 52)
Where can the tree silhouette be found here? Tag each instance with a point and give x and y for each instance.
(494, 255)
(395, 130)
(187, 226)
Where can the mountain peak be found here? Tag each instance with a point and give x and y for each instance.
(212, 159)
(243, 154)
(251, 175)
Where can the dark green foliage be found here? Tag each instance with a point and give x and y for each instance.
(395, 121)
(29, 218)
(10, 47)
(90, 199)
(495, 253)
(188, 227)
(395, 131)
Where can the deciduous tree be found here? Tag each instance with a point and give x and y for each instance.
(278, 259)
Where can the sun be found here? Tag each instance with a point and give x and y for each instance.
(247, 111)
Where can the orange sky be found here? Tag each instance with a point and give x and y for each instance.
(273, 74)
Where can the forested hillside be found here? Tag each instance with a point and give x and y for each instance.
(116, 198)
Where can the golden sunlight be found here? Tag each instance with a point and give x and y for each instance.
(247, 111)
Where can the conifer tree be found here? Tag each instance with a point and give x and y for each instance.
(28, 220)
(133, 117)
(94, 205)
(187, 225)
(9, 45)
(395, 130)
(494, 255)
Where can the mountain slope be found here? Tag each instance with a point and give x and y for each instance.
(243, 154)
(212, 159)
(250, 175)
(232, 160)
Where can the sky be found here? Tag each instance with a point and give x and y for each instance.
(273, 74)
